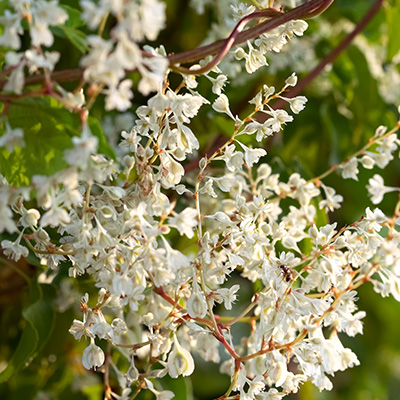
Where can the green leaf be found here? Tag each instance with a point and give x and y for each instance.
(97, 130)
(393, 28)
(48, 130)
(74, 17)
(75, 36)
(39, 316)
(69, 29)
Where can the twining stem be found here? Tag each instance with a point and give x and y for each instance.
(303, 83)
(300, 12)
(306, 10)
(229, 42)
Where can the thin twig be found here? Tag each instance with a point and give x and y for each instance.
(306, 80)
(304, 11)
(332, 55)
(307, 10)
(229, 42)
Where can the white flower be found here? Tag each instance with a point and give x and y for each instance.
(279, 117)
(132, 374)
(79, 329)
(254, 60)
(207, 188)
(225, 182)
(130, 140)
(127, 52)
(93, 356)
(14, 250)
(163, 395)
(221, 105)
(332, 200)
(185, 222)
(118, 97)
(153, 72)
(218, 83)
(118, 326)
(145, 20)
(30, 218)
(12, 30)
(36, 60)
(55, 216)
(6, 219)
(323, 235)
(232, 158)
(380, 130)
(241, 10)
(226, 295)
(380, 159)
(296, 104)
(251, 156)
(45, 13)
(367, 162)
(92, 12)
(297, 27)
(377, 189)
(171, 171)
(16, 80)
(373, 219)
(180, 361)
(261, 130)
(278, 368)
(350, 170)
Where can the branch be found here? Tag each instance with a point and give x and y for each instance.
(193, 164)
(333, 54)
(228, 43)
(307, 10)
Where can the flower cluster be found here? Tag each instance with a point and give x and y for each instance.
(107, 61)
(166, 248)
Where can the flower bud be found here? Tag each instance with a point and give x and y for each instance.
(221, 105)
(30, 218)
(93, 356)
(367, 162)
(132, 374)
(292, 80)
(180, 361)
(196, 305)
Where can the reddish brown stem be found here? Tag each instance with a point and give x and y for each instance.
(71, 75)
(309, 78)
(160, 291)
(333, 54)
(219, 336)
(306, 10)
(229, 42)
